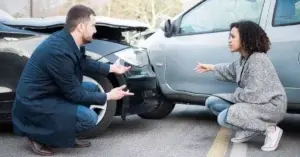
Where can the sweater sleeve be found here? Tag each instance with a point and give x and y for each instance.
(226, 71)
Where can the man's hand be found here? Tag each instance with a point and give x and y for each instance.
(200, 68)
(118, 68)
(118, 93)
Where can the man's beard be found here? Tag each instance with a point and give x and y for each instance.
(86, 41)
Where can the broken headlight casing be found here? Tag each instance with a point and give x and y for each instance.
(134, 56)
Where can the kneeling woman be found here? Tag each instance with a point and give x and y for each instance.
(259, 102)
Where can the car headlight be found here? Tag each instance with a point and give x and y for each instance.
(134, 56)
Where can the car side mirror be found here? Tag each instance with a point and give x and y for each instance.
(167, 27)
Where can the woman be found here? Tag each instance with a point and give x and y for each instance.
(259, 102)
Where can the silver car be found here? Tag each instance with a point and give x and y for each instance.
(201, 33)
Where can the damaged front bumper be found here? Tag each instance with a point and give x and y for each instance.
(142, 82)
(140, 79)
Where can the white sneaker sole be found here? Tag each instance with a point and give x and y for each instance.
(267, 149)
(237, 140)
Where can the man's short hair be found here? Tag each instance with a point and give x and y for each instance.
(77, 14)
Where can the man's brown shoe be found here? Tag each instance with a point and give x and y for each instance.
(82, 143)
(40, 149)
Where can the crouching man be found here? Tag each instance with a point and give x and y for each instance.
(46, 109)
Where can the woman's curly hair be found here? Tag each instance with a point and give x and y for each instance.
(253, 37)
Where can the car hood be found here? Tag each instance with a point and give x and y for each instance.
(105, 48)
(9, 30)
(59, 21)
(105, 43)
(24, 42)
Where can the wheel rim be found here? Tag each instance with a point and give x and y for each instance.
(99, 109)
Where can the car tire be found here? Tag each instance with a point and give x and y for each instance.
(107, 117)
(161, 111)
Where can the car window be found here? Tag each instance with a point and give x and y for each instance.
(287, 12)
(217, 15)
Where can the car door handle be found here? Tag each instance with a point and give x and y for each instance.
(299, 58)
(159, 64)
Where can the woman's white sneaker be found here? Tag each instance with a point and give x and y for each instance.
(273, 136)
(243, 136)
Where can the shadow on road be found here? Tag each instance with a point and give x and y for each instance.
(5, 128)
(182, 113)
(192, 115)
(291, 123)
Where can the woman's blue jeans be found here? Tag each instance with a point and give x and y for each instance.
(219, 107)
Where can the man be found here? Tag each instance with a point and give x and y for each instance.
(46, 109)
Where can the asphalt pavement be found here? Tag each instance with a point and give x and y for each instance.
(190, 131)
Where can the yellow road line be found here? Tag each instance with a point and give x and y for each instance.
(220, 145)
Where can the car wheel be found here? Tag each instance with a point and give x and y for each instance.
(105, 112)
(163, 109)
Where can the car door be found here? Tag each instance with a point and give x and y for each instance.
(283, 29)
(202, 36)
